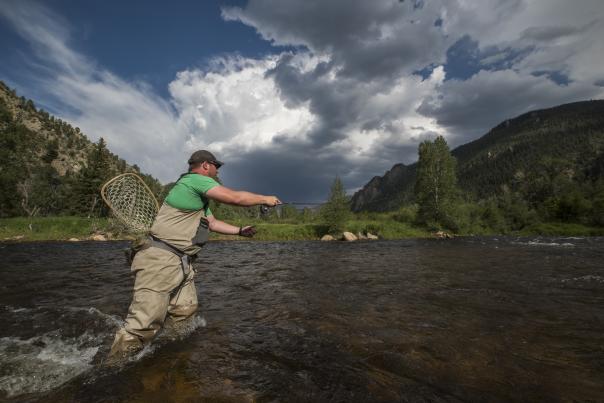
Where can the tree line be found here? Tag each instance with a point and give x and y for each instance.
(552, 191)
(54, 170)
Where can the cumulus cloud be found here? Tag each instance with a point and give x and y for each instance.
(234, 107)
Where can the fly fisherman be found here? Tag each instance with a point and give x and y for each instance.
(163, 271)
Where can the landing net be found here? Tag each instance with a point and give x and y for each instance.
(131, 201)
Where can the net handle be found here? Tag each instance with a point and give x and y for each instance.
(110, 181)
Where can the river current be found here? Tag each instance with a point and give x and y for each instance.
(468, 319)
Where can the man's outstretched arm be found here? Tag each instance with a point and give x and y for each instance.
(223, 194)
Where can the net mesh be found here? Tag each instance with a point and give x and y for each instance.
(131, 201)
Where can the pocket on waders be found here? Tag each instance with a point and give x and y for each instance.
(202, 234)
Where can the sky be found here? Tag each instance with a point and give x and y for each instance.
(291, 93)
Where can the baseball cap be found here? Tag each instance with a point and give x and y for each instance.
(202, 156)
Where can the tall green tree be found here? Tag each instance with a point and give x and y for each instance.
(16, 145)
(436, 184)
(336, 211)
(87, 196)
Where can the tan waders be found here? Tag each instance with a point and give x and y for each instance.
(162, 287)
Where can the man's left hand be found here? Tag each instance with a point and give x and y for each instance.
(248, 231)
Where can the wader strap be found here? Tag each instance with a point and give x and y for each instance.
(184, 258)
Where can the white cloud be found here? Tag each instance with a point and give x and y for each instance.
(236, 108)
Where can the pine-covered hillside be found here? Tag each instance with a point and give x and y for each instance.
(532, 153)
(48, 167)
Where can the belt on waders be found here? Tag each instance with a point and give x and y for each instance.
(184, 258)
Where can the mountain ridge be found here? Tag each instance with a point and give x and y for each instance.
(572, 132)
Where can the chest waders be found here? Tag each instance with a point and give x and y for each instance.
(184, 258)
(200, 239)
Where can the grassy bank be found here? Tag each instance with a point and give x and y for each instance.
(383, 225)
(51, 228)
(64, 228)
(293, 231)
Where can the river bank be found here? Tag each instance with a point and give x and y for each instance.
(25, 229)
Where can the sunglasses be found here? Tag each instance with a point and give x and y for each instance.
(217, 165)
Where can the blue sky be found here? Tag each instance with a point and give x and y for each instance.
(291, 93)
(142, 40)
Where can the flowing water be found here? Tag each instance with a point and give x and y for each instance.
(475, 319)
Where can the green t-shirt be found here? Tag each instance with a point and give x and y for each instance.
(189, 193)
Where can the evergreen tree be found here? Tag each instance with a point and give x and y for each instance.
(336, 211)
(16, 143)
(90, 179)
(436, 183)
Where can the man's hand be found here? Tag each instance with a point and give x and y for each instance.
(272, 201)
(248, 231)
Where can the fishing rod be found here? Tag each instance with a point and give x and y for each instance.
(302, 203)
(265, 209)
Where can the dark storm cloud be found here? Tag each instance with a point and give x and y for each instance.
(366, 46)
(365, 39)
(292, 176)
(335, 102)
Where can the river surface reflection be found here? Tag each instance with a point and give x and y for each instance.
(469, 319)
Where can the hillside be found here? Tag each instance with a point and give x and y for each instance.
(568, 138)
(48, 167)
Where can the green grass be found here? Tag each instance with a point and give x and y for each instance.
(382, 225)
(50, 228)
(385, 225)
(386, 228)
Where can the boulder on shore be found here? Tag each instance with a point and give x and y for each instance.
(348, 236)
(73, 240)
(327, 238)
(360, 235)
(98, 237)
(15, 238)
(371, 236)
(442, 235)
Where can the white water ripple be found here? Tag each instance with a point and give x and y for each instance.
(55, 356)
(43, 362)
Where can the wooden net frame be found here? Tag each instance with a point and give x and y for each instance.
(131, 201)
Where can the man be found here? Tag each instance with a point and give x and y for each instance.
(163, 284)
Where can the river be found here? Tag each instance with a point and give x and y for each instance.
(468, 319)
